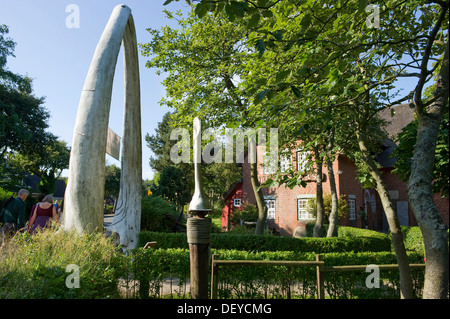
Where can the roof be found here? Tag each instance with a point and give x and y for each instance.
(33, 181)
(231, 189)
(397, 117)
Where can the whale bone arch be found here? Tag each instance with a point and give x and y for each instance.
(84, 198)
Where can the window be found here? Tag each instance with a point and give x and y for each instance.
(269, 166)
(303, 209)
(237, 202)
(270, 203)
(301, 160)
(285, 163)
(351, 208)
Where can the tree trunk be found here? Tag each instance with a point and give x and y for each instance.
(317, 231)
(391, 216)
(333, 219)
(420, 194)
(262, 209)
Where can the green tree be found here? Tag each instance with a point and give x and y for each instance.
(404, 152)
(336, 38)
(112, 183)
(175, 182)
(160, 144)
(47, 163)
(172, 186)
(23, 118)
(112, 180)
(180, 174)
(204, 60)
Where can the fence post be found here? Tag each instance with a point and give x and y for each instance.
(214, 277)
(320, 278)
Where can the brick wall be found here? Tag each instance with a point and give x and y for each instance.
(286, 217)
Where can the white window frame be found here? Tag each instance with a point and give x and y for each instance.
(302, 207)
(285, 163)
(301, 160)
(270, 210)
(351, 207)
(237, 202)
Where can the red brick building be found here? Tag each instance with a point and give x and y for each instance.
(287, 208)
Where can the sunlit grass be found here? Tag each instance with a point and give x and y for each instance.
(34, 266)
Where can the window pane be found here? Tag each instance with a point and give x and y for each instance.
(303, 207)
(285, 163)
(352, 209)
(270, 203)
(301, 160)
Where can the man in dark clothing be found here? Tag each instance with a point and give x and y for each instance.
(13, 215)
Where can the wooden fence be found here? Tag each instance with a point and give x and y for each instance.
(321, 269)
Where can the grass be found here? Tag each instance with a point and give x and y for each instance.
(36, 266)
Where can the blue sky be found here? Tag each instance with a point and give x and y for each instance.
(58, 58)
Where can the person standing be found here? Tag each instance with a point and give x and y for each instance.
(42, 214)
(40, 198)
(13, 215)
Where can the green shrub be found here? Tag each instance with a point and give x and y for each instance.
(345, 231)
(249, 214)
(278, 281)
(154, 209)
(251, 242)
(244, 229)
(35, 267)
(4, 195)
(342, 204)
(413, 239)
(151, 266)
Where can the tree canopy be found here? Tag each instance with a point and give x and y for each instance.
(347, 56)
(25, 143)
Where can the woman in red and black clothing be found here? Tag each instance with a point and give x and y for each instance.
(42, 215)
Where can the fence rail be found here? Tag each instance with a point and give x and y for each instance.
(321, 269)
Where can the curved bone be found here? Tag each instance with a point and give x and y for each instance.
(83, 207)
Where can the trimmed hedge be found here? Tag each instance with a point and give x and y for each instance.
(257, 282)
(250, 242)
(345, 231)
(414, 239)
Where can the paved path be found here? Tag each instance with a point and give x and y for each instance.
(108, 218)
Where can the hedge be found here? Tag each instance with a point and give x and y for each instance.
(414, 239)
(273, 281)
(35, 267)
(250, 242)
